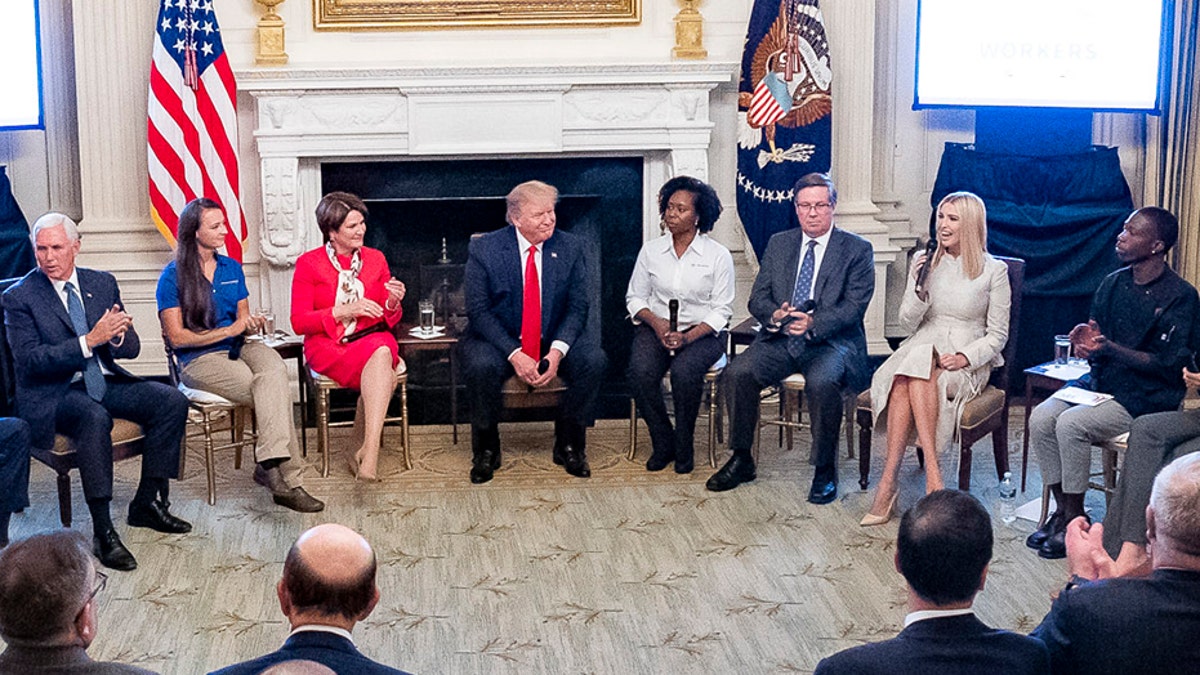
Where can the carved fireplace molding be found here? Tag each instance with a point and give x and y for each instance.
(305, 117)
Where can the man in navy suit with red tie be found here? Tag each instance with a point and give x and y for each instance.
(66, 327)
(526, 296)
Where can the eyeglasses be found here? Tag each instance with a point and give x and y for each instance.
(101, 582)
(819, 207)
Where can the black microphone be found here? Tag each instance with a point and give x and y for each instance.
(235, 347)
(923, 274)
(808, 306)
(673, 309)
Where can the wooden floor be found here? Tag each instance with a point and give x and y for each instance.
(539, 572)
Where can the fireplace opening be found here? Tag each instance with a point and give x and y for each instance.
(422, 216)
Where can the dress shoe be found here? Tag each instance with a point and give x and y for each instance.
(658, 462)
(823, 491)
(112, 553)
(483, 465)
(1055, 546)
(575, 461)
(1040, 535)
(871, 520)
(685, 461)
(296, 499)
(739, 469)
(156, 516)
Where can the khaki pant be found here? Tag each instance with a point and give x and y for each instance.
(258, 379)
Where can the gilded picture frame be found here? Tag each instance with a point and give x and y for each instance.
(434, 14)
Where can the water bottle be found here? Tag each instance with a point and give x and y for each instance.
(1008, 499)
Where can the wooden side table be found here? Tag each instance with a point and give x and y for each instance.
(447, 342)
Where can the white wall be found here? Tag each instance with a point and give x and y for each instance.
(100, 174)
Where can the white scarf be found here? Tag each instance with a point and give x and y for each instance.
(349, 288)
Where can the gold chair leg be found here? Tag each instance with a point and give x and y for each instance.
(323, 430)
(210, 460)
(404, 425)
(632, 430)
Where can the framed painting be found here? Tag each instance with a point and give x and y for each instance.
(428, 14)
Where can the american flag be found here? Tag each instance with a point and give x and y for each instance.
(192, 129)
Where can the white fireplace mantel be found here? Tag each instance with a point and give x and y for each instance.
(304, 117)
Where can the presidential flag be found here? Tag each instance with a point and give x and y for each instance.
(784, 113)
(192, 130)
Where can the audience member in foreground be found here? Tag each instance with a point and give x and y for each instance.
(810, 295)
(943, 550)
(957, 313)
(14, 471)
(48, 588)
(1154, 440)
(328, 586)
(1137, 340)
(688, 268)
(344, 289)
(205, 316)
(66, 327)
(526, 289)
(1103, 624)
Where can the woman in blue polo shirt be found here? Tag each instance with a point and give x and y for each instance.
(205, 316)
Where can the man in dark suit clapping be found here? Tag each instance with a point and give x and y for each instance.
(943, 550)
(811, 294)
(66, 327)
(526, 296)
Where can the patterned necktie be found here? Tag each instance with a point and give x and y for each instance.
(93, 378)
(531, 312)
(804, 280)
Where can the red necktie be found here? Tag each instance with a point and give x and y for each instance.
(531, 313)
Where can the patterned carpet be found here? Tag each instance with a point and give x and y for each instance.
(537, 571)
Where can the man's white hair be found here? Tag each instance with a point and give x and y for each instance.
(1176, 503)
(54, 220)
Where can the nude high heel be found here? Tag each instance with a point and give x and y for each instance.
(871, 520)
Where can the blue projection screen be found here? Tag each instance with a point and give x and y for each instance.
(20, 72)
(1094, 54)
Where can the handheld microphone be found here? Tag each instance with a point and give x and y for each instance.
(923, 274)
(235, 348)
(673, 310)
(543, 366)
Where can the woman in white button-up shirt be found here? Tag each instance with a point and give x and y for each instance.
(691, 269)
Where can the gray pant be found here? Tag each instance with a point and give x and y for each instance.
(1154, 441)
(258, 379)
(1062, 436)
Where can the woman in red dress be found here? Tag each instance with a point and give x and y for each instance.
(341, 288)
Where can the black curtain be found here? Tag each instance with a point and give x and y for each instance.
(16, 253)
(1061, 214)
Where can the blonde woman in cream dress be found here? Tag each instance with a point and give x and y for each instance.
(959, 326)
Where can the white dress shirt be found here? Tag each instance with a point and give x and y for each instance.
(523, 246)
(818, 256)
(701, 280)
(319, 628)
(924, 614)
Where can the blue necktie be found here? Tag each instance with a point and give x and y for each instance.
(93, 378)
(803, 292)
(804, 280)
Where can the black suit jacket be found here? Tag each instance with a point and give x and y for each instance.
(328, 649)
(946, 646)
(45, 348)
(494, 288)
(1149, 625)
(842, 291)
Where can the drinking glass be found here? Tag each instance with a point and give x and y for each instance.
(426, 310)
(1062, 349)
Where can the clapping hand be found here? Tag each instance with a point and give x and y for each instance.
(395, 290)
(1086, 339)
(110, 326)
(1086, 556)
(361, 307)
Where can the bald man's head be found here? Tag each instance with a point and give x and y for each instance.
(330, 571)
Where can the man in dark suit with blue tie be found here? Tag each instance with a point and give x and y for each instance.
(328, 586)
(810, 296)
(526, 296)
(1109, 620)
(66, 326)
(943, 550)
